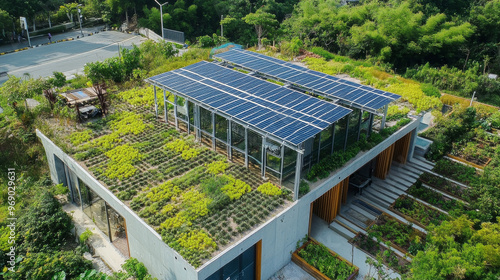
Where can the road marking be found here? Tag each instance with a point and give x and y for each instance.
(66, 57)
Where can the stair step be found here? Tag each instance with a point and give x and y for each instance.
(391, 185)
(363, 211)
(348, 224)
(357, 218)
(342, 230)
(424, 160)
(368, 207)
(385, 189)
(375, 200)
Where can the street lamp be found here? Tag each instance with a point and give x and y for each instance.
(80, 18)
(161, 17)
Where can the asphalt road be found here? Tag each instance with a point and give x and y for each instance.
(67, 57)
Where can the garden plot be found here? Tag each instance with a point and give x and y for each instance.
(197, 201)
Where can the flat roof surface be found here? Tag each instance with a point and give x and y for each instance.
(282, 112)
(361, 96)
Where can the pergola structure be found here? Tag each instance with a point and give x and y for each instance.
(359, 97)
(282, 130)
(266, 123)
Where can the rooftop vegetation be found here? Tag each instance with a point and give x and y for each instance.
(192, 196)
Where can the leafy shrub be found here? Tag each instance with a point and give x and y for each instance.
(269, 189)
(394, 112)
(197, 240)
(128, 123)
(141, 96)
(85, 236)
(122, 158)
(44, 265)
(136, 269)
(235, 188)
(44, 225)
(78, 138)
(430, 90)
(216, 167)
(322, 52)
(318, 256)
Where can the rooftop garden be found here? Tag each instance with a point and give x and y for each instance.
(192, 196)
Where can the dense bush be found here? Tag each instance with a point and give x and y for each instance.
(44, 225)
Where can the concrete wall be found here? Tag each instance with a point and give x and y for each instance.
(144, 242)
(280, 235)
(150, 34)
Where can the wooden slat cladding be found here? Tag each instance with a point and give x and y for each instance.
(258, 260)
(402, 148)
(327, 206)
(384, 160)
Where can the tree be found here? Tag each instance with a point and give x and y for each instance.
(262, 21)
(69, 9)
(44, 225)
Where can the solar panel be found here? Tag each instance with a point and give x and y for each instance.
(285, 113)
(348, 92)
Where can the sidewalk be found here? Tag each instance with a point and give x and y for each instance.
(43, 39)
(103, 248)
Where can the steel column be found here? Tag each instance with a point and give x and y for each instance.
(346, 132)
(382, 125)
(156, 102)
(165, 106)
(263, 158)
(229, 144)
(246, 147)
(333, 136)
(175, 112)
(282, 161)
(298, 168)
(213, 131)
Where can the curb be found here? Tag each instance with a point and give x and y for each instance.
(39, 45)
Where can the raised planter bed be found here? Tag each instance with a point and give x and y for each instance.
(417, 212)
(435, 198)
(402, 237)
(323, 263)
(374, 249)
(479, 163)
(444, 185)
(456, 171)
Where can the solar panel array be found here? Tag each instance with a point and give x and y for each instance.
(284, 113)
(361, 96)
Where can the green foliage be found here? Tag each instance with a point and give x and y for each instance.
(303, 187)
(430, 90)
(197, 240)
(235, 188)
(292, 48)
(332, 266)
(217, 167)
(44, 265)
(136, 269)
(122, 159)
(85, 236)
(183, 147)
(44, 225)
(128, 123)
(457, 244)
(141, 96)
(269, 189)
(80, 137)
(395, 112)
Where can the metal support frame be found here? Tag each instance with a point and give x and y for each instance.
(282, 161)
(346, 132)
(156, 102)
(188, 121)
(213, 131)
(370, 125)
(359, 123)
(246, 147)
(107, 219)
(298, 168)
(229, 144)
(382, 124)
(175, 112)
(263, 158)
(197, 122)
(165, 112)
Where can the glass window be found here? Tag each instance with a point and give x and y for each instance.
(206, 120)
(254, 147)
(340, 133)
(181, 108)
(237, 136)
(221, 128)
(353, 126)
(273, 153)
(118, 231)
(365, 123)
(75, 194)
(94, 207)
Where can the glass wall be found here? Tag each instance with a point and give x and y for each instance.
(94, 207)
(221, 128)
(340, 133)
(238, 136)
(365, 123)
(117, 228)
(205, 120)
(191, 116)
(326, 138)
(254, 148)
(353, 133)
(73, 187)
(289, 160)
(273, 158)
